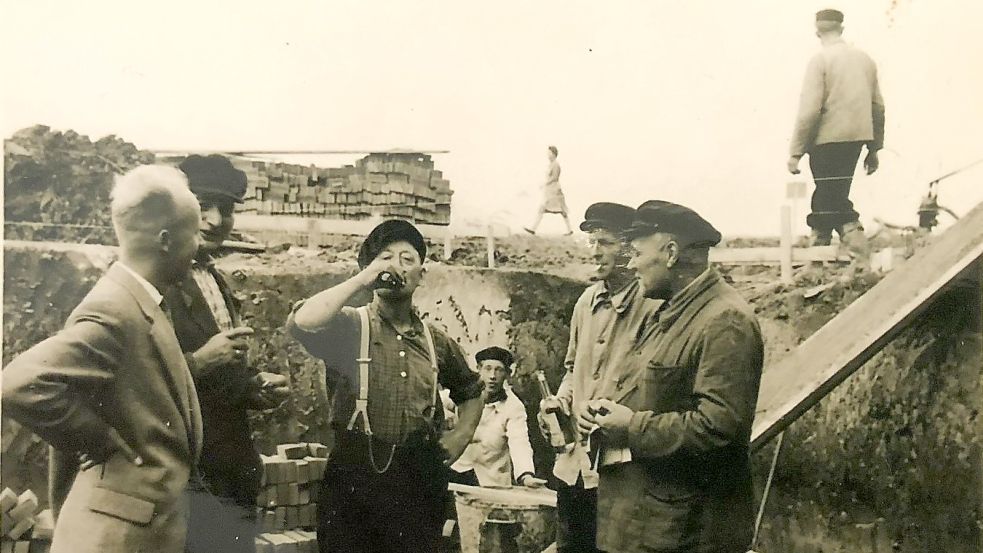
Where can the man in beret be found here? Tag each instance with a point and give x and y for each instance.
(605, 314)
(206, 321)
(684, 412)
(500, 447)
(386, 482)
(840, 111)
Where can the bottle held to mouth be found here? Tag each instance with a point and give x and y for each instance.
(388, 280)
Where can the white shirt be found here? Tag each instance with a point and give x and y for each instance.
(151, 289)
(499, 450)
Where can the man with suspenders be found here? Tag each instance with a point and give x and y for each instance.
(386, 482)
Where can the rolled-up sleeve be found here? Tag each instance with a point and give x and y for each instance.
(455, 374)
(517, 432)
(724, 394)
(333, 341)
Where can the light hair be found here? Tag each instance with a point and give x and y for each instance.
(150, 198)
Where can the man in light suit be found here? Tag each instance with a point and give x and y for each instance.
(841, 111)
(113, 387)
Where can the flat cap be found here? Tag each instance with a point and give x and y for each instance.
(497, 354)
(682, 222)
(606, 215)
(214, 175)
(389, 232)
(829, 15)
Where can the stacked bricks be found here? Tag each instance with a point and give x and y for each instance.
(25, 529)
(287, 508)
(403, 185)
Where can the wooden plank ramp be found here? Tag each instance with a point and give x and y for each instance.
(801, 379)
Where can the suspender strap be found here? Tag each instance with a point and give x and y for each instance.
(433, 362)
(362, 401)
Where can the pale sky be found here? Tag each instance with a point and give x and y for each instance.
(691, 101)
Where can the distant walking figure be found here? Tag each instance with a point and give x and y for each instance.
(840, 112)
(553, 201)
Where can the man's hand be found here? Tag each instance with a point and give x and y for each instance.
(114, 444)
(368, 275)
(223, 349)
(871, 162)
(274, 389)
(454, 443)
(613, 418)
(586, 422)
(793, 164)
(530, 481)
(554, 404)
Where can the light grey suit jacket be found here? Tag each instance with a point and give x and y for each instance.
(841, 100)
(116, 364)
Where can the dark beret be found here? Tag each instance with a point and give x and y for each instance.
(388, 232)
(682, 222)
(829, 15)
(495, 353)
(606, 215)
(214, 175)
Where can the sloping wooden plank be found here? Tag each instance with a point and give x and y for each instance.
(800, 380)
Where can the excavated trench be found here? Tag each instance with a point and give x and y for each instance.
(889, 461)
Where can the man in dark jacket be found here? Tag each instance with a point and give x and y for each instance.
(207, 324)
(674, 470)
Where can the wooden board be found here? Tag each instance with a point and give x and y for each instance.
(516, 494)
(771, 255)
(798, 381)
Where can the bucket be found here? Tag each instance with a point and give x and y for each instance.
(505, 523)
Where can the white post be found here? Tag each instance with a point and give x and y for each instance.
(490, 239)
(786, 244)
(448, 243)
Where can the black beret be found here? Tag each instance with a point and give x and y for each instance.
(606, 215)
(214, 175)
(388, 232)
(682, 222)
(495, 353)
(829, 15)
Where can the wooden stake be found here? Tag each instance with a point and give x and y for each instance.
(490, 238)
(786, 244)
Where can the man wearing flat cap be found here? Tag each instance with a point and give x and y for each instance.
(499, 451)
(608, 311)
(386, 482)
(684, 412)
(222, 494)
(840, 111)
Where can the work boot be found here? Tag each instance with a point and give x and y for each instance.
(820, 237)
(855, 241)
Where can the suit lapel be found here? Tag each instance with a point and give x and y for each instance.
(175, 368)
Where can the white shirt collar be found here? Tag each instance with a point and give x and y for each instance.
(154, 293)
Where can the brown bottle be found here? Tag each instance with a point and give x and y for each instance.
(559, 424)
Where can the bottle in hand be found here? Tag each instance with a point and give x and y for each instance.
(559, 424)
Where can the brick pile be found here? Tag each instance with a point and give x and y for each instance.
(287, 501)
(25, 528)
(403, 185)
